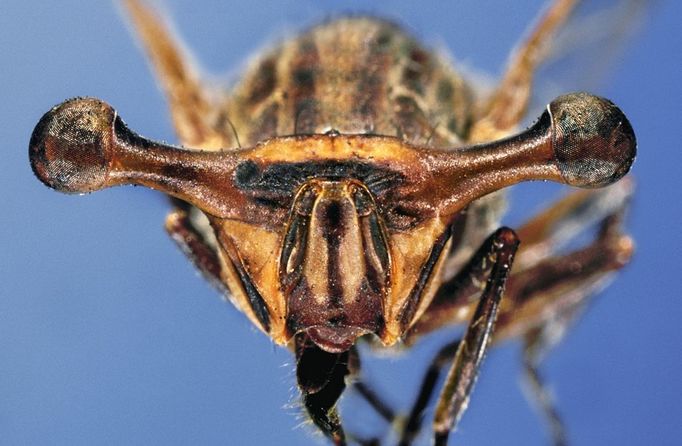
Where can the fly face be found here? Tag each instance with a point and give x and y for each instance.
(330, 248)
(319, 262)
(324, 236)
(334, 267)
(333, 235)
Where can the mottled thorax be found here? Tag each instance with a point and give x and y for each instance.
(356, 75)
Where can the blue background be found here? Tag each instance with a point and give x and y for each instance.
(108, 336)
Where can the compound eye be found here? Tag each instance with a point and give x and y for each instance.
(70, 148)
(594, 143)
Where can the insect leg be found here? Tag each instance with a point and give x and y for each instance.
(366, 392)
(552, 289)
(545, 299)
(380, 406)
(413, 422)
(484, 264)
(192, 111)
(541, 236)
(411, 426)
(192, 243)
(536, 342)
(551, 229)
(508, 103)
(454, 398)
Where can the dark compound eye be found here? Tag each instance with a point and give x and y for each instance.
(70, 146)
(594, 143)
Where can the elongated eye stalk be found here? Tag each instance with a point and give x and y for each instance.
(81, 146)
(582, 140)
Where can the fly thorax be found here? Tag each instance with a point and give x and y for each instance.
(334, 267)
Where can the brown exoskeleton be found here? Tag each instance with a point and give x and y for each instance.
(365, 201)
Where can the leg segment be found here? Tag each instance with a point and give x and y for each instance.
(546, 298)
(454, 397)
(492, 261)
(550, 230)
(508, 104)
(373, 400)
(541, 236)
(553, 291)
(411, 427)
(192, 243)
(536, 343)
(413, 423)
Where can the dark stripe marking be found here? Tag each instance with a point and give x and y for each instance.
(255, 299)
(264, 81)
(417, 71)
(302, 79)
(371, 85)
(281, 180)
(332, 220)
(411, 121)
(412, 303)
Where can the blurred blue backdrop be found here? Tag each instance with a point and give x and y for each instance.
(108, 336)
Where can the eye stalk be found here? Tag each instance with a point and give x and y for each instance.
(582, 140)
(82, 145)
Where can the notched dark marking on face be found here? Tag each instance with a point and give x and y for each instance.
(332, 221)
(282, 180)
